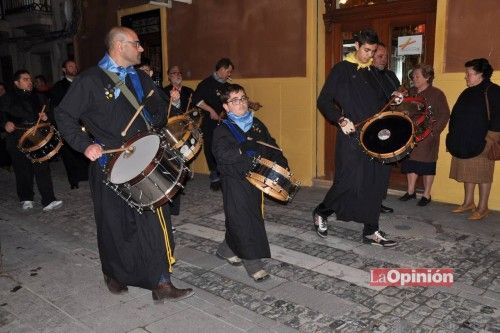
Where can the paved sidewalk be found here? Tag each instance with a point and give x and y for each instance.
(50, 277)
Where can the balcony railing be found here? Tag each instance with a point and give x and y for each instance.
(25, 6)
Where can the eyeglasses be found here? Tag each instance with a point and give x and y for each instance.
(136, 43)
(238, 101)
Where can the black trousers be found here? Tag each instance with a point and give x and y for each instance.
(323, 211)
(25, 171)
(75, 163)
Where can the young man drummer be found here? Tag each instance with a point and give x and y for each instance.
(235, 144)
(352, 93)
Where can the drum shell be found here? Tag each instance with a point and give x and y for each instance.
(45, 140)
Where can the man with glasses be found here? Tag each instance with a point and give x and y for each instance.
(207, 97)
(235, 144)
(179, 94)
(135, 249)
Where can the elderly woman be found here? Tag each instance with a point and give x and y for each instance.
(471, 133)
(422, 160)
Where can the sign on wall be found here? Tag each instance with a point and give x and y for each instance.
(408, 45)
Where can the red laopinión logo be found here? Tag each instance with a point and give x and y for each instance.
(411, 277)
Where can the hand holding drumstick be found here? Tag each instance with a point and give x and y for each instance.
(95, 151)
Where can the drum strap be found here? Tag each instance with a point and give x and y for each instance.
(127, 93)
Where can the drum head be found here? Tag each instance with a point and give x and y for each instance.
(129, 165)
(387, 134)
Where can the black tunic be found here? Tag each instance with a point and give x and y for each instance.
(76, 163)
(131, 245)
(360, 182)
(209, 91)
(245, 229)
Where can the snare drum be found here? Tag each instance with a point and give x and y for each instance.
(149, 175)
(272, 179)
(40, 142)
(388, 136)
(183, 136)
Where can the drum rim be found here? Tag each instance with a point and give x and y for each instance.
(274, 166)
(389, 157)
(258, 180)
(39, 144)
(49, 155)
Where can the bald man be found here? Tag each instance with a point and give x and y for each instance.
(135, 249)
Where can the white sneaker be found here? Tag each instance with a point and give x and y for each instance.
(27, 205)
(53, 205)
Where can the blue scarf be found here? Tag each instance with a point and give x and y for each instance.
(244, 122)
(107, 63)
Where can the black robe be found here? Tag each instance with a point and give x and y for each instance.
(132, 247)
(360, 182)
(245, 229)
(75, 163)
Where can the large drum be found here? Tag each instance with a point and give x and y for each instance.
(388, 136)
(273, 179)
(148, 175)
(183, 136)
(40, 142)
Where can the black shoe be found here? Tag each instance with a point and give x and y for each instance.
(408, 196)
(320, 225)
(74, 186)
(114, 286)
(215, 186)
(378, 239)
(385, 209)
(167, 291)
(423, 201)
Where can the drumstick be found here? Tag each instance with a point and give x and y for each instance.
(38, 121)
(139, 109)
(381, 110)
(117, 150)
(171, 135)
(265, 144)
(169, 107)
(268, 145)
(189, 102)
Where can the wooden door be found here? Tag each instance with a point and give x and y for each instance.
(390, 20)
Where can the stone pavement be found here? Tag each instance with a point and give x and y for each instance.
(50, 277)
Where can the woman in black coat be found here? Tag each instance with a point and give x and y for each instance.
(472, 130)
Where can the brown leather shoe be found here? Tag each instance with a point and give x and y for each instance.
(476, 215)
(114, 286)
(462, 208)
(167, 291)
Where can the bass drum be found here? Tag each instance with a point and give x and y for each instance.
(420, 113)
(388, 136)
(148, 176)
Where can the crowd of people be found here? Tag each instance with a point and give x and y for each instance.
(136, 247)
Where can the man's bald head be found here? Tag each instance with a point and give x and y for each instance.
(117, 34)
(123, 46)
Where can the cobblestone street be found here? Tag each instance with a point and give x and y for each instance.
(51, 280)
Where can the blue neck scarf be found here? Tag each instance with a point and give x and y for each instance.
(244, 122)
(109, 64)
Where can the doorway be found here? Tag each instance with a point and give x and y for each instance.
(391, 20)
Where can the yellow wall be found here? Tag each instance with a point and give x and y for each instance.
(452, 84)
(289, 106)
